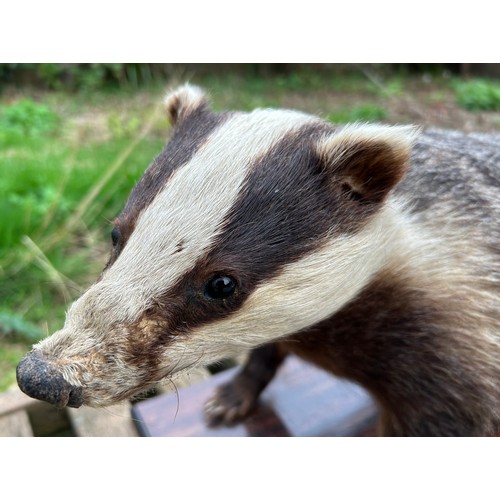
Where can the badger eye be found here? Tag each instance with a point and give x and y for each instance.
(220, 287)
(115, 236)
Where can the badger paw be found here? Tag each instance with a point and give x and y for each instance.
(230, 404)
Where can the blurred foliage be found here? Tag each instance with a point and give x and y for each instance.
(478, 94)
(363, 113)
(53, 76)
(102, 76)
(26, 118)
(86, 77)
(14, 326)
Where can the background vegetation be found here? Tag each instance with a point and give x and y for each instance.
(75, 138)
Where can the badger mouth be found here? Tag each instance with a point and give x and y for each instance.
(40, 379)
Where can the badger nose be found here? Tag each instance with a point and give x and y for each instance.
(40, 379)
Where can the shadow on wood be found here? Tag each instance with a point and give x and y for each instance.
(302, 400)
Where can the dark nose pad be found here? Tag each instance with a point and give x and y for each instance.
(40, 379)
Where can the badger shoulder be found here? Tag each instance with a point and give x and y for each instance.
(450, 199)
(427, 322)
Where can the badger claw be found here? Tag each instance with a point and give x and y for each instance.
(230, 404)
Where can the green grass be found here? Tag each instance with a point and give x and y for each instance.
(363, 113)
(58, 191)
(249, 91)
(478, 94)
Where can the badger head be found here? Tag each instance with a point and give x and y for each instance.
(247, 228)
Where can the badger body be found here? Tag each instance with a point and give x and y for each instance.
(369, 250)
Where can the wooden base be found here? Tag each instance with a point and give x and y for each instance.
(302, 400)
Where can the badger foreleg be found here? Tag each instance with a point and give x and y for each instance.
(236, 399)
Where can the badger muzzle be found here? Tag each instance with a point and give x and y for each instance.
(39, 378)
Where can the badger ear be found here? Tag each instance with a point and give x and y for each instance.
(367, 161)
(183, 101)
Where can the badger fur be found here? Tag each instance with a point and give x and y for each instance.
(370, 250)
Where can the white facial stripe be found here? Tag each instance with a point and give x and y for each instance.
(190, 209)
(304, 293)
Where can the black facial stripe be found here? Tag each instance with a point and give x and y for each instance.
(285, 210)
(186, 140)
(188, 137)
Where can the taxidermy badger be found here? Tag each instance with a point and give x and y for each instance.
(370, 250)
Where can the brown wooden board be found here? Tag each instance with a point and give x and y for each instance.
(302, 400)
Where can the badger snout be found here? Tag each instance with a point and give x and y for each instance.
(39, 378)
